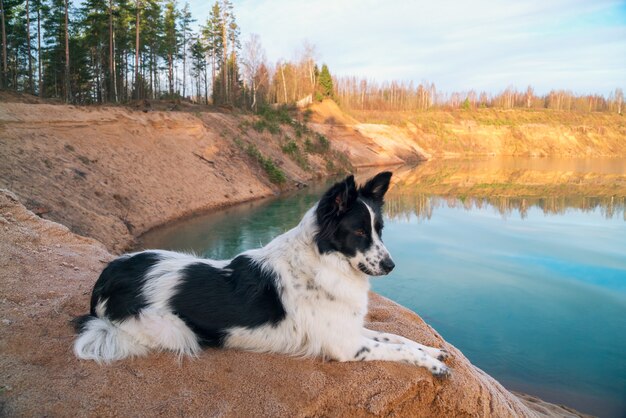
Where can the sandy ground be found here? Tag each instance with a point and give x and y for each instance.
(46, 274)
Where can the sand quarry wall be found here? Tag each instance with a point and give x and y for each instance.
(114, 173)
(372, 136)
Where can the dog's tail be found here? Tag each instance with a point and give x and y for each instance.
(101, 340)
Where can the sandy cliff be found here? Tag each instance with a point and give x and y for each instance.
(111, 173)
(377, 137)
(365, 144)
(46, 274)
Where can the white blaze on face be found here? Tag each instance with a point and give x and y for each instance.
(375, 254)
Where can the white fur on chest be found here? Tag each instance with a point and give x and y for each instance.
(325, 300)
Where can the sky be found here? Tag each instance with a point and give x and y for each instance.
(578, 45)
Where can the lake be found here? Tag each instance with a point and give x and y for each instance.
(520, 263)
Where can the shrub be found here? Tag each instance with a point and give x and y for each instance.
(321, 145)
(292, 149)
(262, 124)
(274, 173)
(306, 115)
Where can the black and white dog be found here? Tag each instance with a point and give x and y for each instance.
(303, 294)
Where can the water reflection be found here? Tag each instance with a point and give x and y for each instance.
(403, 206)
(518, 262)
(510, 185)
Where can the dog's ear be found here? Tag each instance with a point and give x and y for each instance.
(376, 187)
(338, 199)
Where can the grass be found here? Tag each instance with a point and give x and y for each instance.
(292, 149)
(319, 145)
(485, 116)
(270, 119)
(274, 173)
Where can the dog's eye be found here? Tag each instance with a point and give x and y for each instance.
(359, 232)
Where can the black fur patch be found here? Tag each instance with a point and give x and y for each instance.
(211, 300)
(344, 222)
(121, 284)
(365, 270)
(80, 322)
(361, 351)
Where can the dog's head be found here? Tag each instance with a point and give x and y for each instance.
(350, 222)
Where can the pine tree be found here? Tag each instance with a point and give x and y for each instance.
(138, 82)
(211, 35)
(170, 41)
(29, 56)
(198, 66)
(66, 27)
(226, 28)
(152, 35)
(54, 39)
(94, 23)
(41, 9)
(325, 82)
(3, 22)
(185, 31)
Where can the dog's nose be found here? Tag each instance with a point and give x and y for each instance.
(387, 264)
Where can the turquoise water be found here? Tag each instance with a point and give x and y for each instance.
(532, 291)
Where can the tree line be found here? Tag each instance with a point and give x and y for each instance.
(363, 94)
(115, 51)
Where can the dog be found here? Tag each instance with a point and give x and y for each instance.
(303, 294)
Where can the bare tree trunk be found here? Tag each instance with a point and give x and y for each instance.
(137, 51)
(3, 78)
(224, 63)
(151, 71)
(111, 87)
(68, 93)
(184, 59)
(31, 86)
(282, 72)
(206, 84)
(253, 106)
(212, 74)
(41, 93)
(170, 74)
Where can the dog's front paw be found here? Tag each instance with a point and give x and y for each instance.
(441, 371)
(443, 355)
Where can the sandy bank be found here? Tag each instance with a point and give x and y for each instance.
(377, 136)
(114, 173)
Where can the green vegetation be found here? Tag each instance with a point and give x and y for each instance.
(292, 149)
(320, 145)
(325, 84)
(119, 51)
(275, 174)
(300, 129)
(270, 119)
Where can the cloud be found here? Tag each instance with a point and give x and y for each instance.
(459, 45)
